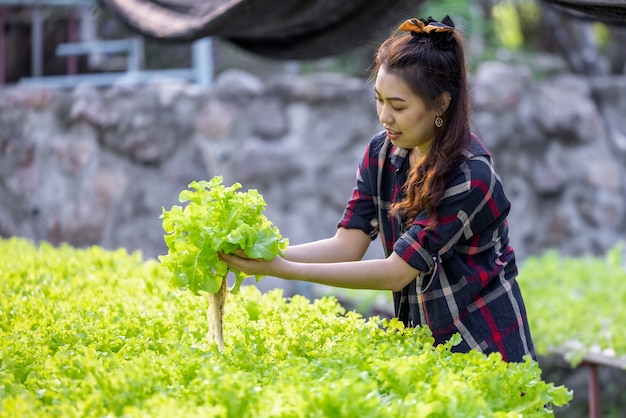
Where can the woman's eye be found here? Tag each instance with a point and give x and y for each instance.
(380, 101)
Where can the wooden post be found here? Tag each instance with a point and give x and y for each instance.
(593, 390)
(36, 30)
(72, 60)
(2, 47)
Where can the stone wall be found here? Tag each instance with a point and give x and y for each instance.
(95, 166)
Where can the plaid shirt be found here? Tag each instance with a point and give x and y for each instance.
(466, 283)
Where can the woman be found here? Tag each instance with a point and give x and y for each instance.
(429, 189)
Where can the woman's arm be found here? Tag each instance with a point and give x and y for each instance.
(346, 245)
(392, 273)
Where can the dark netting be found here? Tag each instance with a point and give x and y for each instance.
(287, 29)
(609, 11)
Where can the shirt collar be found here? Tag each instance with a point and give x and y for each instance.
(476, 147)
(398, 156)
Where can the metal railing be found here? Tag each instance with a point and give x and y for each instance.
(200, 71)
(592, 361)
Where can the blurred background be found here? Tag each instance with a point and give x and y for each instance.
(109, 109)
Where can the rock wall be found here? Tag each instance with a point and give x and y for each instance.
(95, 166)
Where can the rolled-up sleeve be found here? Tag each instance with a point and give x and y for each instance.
(360, 212)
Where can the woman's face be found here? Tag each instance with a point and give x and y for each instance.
(405, 116)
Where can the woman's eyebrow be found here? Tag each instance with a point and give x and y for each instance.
(391, 99)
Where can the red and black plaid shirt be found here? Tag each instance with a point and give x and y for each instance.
(467, 269)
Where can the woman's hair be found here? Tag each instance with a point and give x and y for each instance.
(430, 63)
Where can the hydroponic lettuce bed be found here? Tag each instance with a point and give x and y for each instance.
(94, 333)
(576, 305)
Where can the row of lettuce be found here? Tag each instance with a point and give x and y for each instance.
(92, 332)
(575, 304)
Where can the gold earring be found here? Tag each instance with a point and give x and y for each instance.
(438, 121)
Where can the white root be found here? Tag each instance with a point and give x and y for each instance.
(215, 315)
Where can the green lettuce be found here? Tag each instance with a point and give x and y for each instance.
(216, 219)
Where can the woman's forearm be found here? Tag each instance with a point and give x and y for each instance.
(391, 273)
(346, 245)
(334, 262)
(366, 274)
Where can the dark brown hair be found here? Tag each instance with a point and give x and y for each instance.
(431, 65)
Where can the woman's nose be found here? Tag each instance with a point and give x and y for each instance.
(384, 117)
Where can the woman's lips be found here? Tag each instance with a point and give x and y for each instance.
(392, 134)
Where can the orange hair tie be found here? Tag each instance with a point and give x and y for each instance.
(428, 26)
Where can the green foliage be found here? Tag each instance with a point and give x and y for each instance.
(508, 26)
(99, 333)
(576, 302)
(216, 219)
(603, 34)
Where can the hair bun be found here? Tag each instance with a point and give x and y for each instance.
(439, 33)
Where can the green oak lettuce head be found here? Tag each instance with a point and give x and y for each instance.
(216, 219)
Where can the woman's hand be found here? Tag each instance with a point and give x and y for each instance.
(250, 266)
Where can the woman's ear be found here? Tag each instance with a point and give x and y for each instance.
(443, 102)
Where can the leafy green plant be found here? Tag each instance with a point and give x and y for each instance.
(97, 333)
(576, 303)
(216, 219)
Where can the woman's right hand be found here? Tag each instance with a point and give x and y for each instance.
(251, 266)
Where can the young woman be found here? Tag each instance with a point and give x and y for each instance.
(429, 189)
